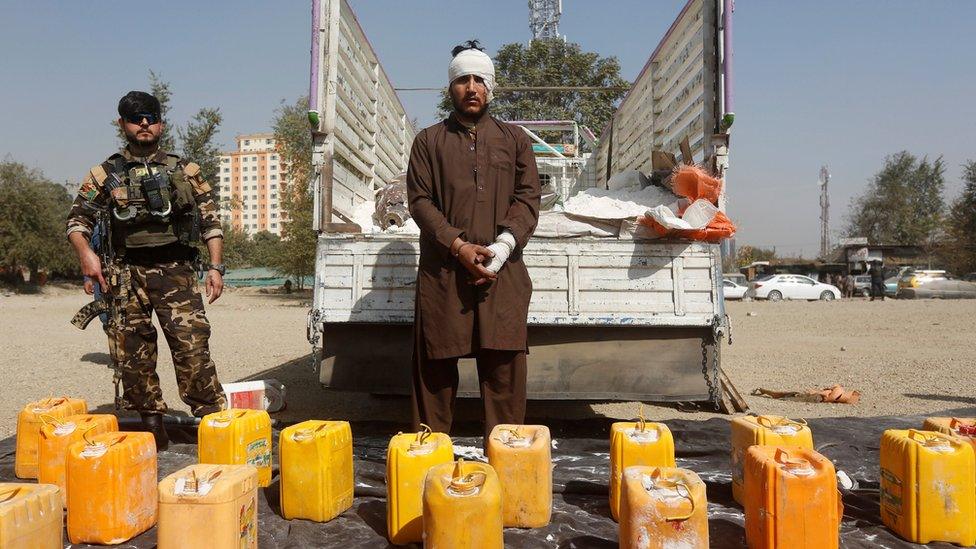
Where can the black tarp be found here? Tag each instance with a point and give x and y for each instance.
(581, 514)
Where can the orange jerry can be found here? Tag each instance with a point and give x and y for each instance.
(462, 507)
(791, 499)
(663, 507)
(29, 429)
(964, 428)
(765, 431)
(928, 487)
(408, 458)
(636, 443)
(213, 506)
(57, 435)
(237, 437)
(111, 487)
(521, 457)
(30, 516)
(316, 479)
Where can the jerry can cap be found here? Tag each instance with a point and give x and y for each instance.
(782, 426)
(795, 466)
(420, 446)
(668, 490)
(512, 438)
(195, 486)
(465, 485)
(641, 433)
(930, 440)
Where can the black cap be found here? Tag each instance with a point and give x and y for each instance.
(136, 102)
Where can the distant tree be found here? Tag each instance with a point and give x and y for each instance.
(198, 139)
(264, 248)
(747, 255)
(32, 217)
(902, 203)
(295, 256)
(553, 63)
(959, 252)
(237, 248)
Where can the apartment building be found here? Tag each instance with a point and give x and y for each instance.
(249, 180)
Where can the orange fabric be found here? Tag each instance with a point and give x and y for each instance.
(719, 228)
(693, 183)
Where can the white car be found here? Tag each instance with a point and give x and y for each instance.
(790, 286)
(732, 290)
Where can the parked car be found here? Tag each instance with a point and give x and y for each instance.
(969, 277)
(891, 286)
(789, 286)
(862, 285)
(738, 278)
(921, 284)
(733, 290)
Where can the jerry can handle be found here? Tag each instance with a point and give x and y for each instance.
(782, 421)
(927, 436)
(424, 433)
(48, 419)
(956, 422)
(678, 487)
(10, 494)
(306, 434)
(641, 422)
(463, 484)
(783, 458)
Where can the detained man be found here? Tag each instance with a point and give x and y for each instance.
(473, 189)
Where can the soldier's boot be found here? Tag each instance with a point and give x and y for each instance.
(153, 423)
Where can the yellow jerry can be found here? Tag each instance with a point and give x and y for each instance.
(29, 424)
(462, 507)
(408, 458)
(213, 506)
(30, 516)
(237, 437)
(57, 435)
(112, 487)
(928, 487)
(636, 443)
(316, 470)
(791, 499)
(661, 508)
(521, 457)
(764, 431)
(964, 428)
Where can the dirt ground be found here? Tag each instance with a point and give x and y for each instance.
(906, 357)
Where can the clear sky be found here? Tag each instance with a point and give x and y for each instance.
(836, 82)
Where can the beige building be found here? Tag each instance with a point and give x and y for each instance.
(250, 180)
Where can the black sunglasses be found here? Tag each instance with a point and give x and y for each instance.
(136, 118)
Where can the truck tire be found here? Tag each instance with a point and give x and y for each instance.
(774, 295)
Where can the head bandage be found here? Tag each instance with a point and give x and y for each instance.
(473, 62)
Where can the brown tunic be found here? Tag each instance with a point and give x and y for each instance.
(474, 185)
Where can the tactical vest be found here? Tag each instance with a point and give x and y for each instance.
(152, 205)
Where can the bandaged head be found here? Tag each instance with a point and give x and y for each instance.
(476, 62)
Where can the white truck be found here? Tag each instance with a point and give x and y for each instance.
(610, 318)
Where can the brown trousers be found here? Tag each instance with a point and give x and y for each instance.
(501, 376)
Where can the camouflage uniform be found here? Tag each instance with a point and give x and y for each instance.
(162, 280)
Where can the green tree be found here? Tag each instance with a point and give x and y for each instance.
(237, 248)
(264, 249)
(747, 255)
(293, 142)
(198, 145)
(32, 214)
(960, 244)
(553, 63)
(902, 203)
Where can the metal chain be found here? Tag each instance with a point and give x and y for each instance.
(728, 323)
(713, 383)
(708, 380)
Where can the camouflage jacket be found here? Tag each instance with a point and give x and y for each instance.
(92, 195)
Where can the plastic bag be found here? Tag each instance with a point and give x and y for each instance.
(695, 183)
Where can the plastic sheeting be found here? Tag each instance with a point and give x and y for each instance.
(581, 515)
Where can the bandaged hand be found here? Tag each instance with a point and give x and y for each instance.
(503, 247)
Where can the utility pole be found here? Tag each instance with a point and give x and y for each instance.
(544, 18)
(824, 212)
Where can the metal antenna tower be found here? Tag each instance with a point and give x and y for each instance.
(824, 212)
(544, 18)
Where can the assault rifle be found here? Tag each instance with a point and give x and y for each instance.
(110, 301)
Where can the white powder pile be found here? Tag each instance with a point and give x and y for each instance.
(363, 216)
(619, 204)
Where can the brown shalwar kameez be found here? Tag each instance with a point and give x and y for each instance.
(473, 183)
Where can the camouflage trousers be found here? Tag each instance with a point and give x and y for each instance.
(171, 290)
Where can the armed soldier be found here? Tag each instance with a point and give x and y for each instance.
(155, 206)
